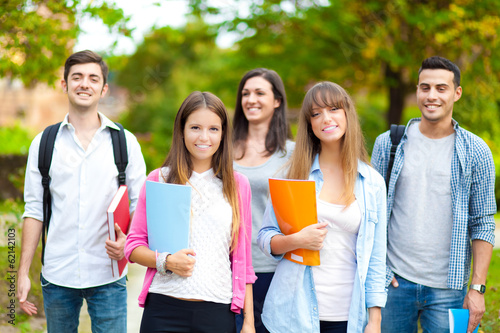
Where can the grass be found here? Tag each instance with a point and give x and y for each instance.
(6, 292)
(10, 231)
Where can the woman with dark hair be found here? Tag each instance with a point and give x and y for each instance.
(261, 145)
(346, 291)
(201, 288)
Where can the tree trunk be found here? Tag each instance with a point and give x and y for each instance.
(397, 93)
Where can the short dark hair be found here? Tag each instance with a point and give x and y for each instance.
(437, 62)
(279, 128)
(86, 57)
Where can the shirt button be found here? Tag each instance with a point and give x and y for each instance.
(235, 261)
(236, 278)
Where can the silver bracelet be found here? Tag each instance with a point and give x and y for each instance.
(161, 261)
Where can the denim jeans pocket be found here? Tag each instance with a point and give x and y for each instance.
(121, 283)
(44, 282)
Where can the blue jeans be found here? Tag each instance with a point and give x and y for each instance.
(107, 307)
(410, 302)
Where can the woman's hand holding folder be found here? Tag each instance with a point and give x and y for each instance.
(310, 238)
(182, 262)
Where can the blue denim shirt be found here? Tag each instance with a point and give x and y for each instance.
(472, 195)
(291, 304)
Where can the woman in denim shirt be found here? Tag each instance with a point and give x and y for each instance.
(345, 293)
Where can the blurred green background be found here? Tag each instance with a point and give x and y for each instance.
(372, 48)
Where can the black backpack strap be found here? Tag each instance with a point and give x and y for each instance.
(397, 132)
(44, 159)
(120, 152)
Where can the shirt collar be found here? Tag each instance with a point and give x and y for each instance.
(363, 168)
(105, 122)
(315, 165)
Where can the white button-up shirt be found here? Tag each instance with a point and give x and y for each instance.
(83, 183)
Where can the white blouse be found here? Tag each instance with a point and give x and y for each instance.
(210, 238)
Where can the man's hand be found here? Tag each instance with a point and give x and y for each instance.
(115, 249)
(23, 289)
(474, 301)
(394, 282)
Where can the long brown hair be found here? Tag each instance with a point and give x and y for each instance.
(328, 94)
(279, 128)
(179, 159)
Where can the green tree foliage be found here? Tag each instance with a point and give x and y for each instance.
(365, 45)
(36, 36)
(15, 140)
(165, 69)
(374, 48)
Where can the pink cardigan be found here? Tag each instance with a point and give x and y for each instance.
(241, 258)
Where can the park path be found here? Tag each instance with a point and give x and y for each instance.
(134, 285)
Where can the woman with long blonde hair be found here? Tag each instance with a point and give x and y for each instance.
(199, 289)
(346, 291)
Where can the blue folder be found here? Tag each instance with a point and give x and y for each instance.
(459, 320)
(168, 209)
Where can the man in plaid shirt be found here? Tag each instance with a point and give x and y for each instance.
(441, 202)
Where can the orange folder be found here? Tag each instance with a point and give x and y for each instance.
(294, 203)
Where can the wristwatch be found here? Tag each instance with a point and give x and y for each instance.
(481, 288)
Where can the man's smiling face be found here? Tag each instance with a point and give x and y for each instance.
(436, 94)
(84, 86)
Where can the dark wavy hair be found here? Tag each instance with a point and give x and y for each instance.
(86, 57)
(279, 128)
(437, 62)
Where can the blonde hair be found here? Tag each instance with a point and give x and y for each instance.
(179, 159)
(328, 94)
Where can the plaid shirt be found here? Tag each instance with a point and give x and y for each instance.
(472, 195)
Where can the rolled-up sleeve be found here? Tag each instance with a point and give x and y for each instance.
(136, 169)
(375, 291)
(138, 234)
(482, 204)
(33, 189)
(268, 230)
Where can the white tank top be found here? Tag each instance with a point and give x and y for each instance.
(334, 278)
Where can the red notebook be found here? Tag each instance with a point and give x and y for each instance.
(118, 212)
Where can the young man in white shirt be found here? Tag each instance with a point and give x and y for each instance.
(83, 176)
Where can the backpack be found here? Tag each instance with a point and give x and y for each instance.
(397, 132)
(45, 159)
